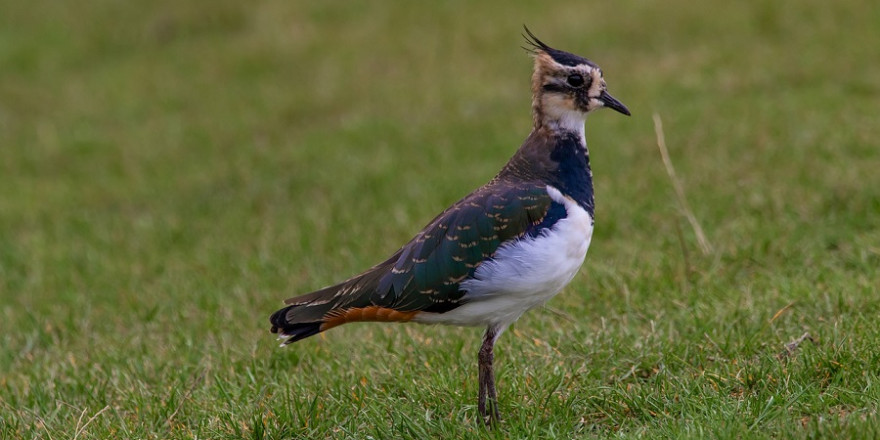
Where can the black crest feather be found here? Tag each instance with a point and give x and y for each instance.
(534, 42)
(560, 56)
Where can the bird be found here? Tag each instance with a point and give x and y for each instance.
(505, 248)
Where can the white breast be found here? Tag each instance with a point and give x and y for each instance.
(525, 273)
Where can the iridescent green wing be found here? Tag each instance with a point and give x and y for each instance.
(426, 273)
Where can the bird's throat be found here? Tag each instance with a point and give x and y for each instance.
(573, 175)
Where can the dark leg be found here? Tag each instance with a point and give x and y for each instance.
(487, 377)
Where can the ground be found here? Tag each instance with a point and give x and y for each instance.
(171, 171)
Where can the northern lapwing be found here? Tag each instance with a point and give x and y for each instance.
(505, 248)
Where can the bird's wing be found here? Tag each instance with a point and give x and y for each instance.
(424, 275)
(428, 271)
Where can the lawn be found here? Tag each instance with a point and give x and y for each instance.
(171, 171)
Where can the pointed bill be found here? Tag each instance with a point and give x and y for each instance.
(612, 103)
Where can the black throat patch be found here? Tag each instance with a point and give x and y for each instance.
(573, 176)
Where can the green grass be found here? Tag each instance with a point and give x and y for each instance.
(169, 172)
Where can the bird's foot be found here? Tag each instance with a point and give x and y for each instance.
(490, 415)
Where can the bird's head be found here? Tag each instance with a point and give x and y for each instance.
(566, 86)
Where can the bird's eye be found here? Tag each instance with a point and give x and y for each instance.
(575, 80)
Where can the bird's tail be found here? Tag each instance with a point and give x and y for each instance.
(306, 315)
(293, 331)
(350, 301)
(289, 328)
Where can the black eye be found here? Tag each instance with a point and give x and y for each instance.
(575, 80)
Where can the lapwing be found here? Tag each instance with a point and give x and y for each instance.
(503, 249)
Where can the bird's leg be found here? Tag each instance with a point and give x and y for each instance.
(487, 378)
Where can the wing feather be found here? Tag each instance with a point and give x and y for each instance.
(425, 274)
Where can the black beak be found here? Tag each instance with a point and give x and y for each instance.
(612, 103)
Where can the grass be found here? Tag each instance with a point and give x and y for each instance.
(171, 171)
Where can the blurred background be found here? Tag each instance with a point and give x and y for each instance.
(170, 171)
